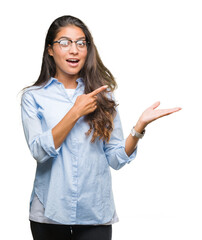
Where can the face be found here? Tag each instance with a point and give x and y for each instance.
(68, 61)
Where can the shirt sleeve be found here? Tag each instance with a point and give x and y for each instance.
(115, 148)
(40, 142)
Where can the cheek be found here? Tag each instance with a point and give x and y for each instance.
(58, 59)
(58, 55)
(84, 56)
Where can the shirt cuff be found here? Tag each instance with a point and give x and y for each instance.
(47, 144)
(122, 153)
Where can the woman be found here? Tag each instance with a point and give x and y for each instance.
(74, 132)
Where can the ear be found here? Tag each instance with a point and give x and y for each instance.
(50, 50)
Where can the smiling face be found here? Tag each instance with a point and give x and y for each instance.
(69, 61)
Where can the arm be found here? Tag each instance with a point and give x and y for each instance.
(115, 148)
(84, 105)
(46, 144)
(40, 142)
(148, 116)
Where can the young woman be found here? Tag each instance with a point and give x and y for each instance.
(74, 132)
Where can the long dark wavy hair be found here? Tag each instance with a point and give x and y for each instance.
(94, 75)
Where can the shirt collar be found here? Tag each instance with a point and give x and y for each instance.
(79, 80)
(52, 79)
(50, 82)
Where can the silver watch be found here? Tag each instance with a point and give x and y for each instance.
(136, 134)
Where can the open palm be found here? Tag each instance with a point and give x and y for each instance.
(151, 114)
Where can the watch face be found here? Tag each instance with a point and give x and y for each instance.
(133, 132)
(136, 134)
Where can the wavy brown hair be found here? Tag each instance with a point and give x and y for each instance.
(94, 74)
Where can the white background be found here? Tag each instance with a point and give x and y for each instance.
(154, 50)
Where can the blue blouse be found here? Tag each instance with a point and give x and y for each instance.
(72, 182)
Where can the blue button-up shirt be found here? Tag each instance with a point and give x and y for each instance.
(72, 182)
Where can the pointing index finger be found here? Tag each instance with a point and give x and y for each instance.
(98, 90)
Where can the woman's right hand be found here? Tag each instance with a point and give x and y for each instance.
(84, 104)
(87, 103)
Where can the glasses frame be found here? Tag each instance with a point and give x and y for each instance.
(72, 41)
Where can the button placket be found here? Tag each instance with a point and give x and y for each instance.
(75, 179)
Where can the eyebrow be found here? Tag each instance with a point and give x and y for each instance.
(65, 37)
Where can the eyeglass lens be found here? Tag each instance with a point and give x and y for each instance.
(65, 44)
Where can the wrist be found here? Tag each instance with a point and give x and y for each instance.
(74, 113)
(136, 134)
(140, 126)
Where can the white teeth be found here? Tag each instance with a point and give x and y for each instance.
(72, 60)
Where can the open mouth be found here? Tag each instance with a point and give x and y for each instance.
(72, 60)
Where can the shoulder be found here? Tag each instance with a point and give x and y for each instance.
(29, 95)
(28, 92)
(34, 90)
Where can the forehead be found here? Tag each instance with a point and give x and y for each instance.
(71, 32)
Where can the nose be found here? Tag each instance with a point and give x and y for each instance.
(73, 48)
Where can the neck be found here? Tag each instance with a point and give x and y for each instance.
(67, 81)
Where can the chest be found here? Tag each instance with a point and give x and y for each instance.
(53, 106)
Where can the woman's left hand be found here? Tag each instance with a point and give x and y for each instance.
(151, 114)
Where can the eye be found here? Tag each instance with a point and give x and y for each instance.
(81, 43)
(64, 43)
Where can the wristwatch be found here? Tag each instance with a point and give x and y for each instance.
(136, 134)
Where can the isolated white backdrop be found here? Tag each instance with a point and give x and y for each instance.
(154, 49)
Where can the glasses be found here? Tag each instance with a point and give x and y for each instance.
(66, 44)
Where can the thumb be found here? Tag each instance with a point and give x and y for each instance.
(155, 105)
